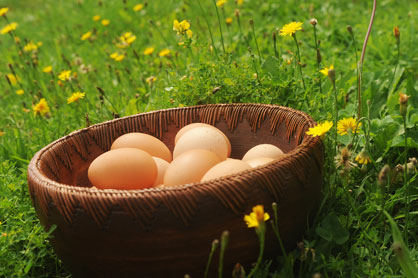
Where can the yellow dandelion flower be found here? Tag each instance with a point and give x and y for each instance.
(239, 2)
(117, 56)
(39, 44)
(1, 134)
(291, 28)
(138, 7)
(320, 129)
(326, 70)
(47, 69)
(96, 17)
(64, 75)
(189, 33)
(148, 50)
(85, 36)
(75, 97)
(105, 22)
(151, 79)
(30, 47)
(363, 157)
(41, 107)
(256, 217)
(126, 39)
(13, 79)
(348, 125)
(20, 92)
(228, 20)
(181, 27)
(3, 11)
(8, 28)
(164, 52)
(221, 3)
(17, 40)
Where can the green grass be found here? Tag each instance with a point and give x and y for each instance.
(350, 236)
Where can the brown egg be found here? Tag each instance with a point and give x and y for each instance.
(263, 150)
(124, 168)
(162, 166)
(145, 142)
(202, 138)
(258, 161)
(194, 125)
(227, 167)
(190, 167)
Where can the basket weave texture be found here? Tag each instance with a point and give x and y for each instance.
(167, 232)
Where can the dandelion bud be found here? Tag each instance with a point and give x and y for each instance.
(350, 29)
(396, 33)
(237, 13)
(317, 275)
(403, 103)
(274, 36)
(331, 75)
(224, 239)
(411, 166)
(313, 21)
(384, 175)
(318, 56)
(251, 22)
(238, 271)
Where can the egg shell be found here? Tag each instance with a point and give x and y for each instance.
(190, 167)
(123, 168)
(259, 161)
(145, 142)
(162, 166)
(202, 138)
(194, 125)
(263, 150)
(224, 168)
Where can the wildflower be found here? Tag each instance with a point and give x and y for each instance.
(325, 71)
(363, 157)
(164, 52)
(96, 17)
(396, 32)
(181, 27)
(105, 22)
(384, 175)
(148, 50)
(256, 217)
(228, 21)
(47, 69)
(64, 75)
(30, 47)
(347, 125)
(3, 11)
(117, 56)
(8, 28)
(138, 7)
(239, 2)
(189, 33)
(13, 79)
(403, 104)
(41, 107)
(17, 40)
(151, 79)
(75, 97)
(20, 92)
(126, 39)
(221, 3)
(1, 134)
(343, 160)
(320, 129)
(313, 21)
(85, 36)
(291, 28)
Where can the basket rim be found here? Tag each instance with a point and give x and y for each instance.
(35, 172)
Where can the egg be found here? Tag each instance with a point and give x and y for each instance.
(224, 168)
(263, 150)
(123, 168)
(202, 138)
(145, 142)
(162, 166)
(194, 125)
(190, 167)
(258, 161)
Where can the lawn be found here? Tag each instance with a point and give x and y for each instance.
(65, 65)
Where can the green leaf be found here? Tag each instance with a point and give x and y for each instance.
(332, 230)
(271, 65)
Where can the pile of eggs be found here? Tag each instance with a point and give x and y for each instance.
(201, 153)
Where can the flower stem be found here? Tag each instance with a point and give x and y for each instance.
(210, 30)
(299, 64)
(318, 62)
(405, 177)
(215, 244)
(261, 230)
(256, 43)
(220, 27)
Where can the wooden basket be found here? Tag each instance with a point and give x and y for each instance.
(167, 232)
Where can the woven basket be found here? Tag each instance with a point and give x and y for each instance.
(167, 232)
